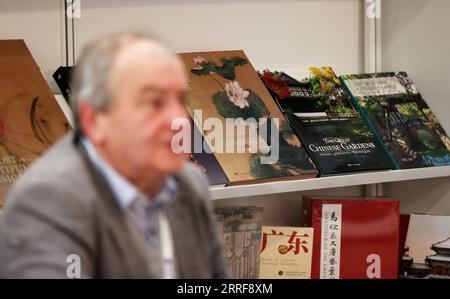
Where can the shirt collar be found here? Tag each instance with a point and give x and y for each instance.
(125, 192)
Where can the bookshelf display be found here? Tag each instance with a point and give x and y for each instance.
(349, 180)
(366, 45)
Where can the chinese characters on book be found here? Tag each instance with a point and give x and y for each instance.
(330, 254)
(286, 253)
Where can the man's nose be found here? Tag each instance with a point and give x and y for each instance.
(176, 110)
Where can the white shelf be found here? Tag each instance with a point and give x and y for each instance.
(367, 178)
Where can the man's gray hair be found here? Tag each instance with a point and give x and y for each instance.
(91, 79)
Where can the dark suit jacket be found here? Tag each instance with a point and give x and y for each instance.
(63, 206)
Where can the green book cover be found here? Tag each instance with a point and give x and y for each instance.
(332, 131)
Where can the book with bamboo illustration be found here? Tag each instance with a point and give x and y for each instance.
(393, 107)
(240, 228)
(225, 88)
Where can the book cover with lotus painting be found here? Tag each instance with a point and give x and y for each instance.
(30, 118)
(329, 126)
(225, 87)
(395, 109)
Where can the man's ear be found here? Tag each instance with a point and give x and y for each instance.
(91, 123)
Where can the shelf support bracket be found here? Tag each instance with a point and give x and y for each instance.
(374, 190)
(372, 36)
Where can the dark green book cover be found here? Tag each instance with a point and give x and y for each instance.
(399, 115)
(332, 131)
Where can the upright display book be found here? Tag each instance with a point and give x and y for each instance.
(240, 228)
(354, 238)
(332, 131)
(401, 118)
(30, 118)
(240, 122)
(286, 253)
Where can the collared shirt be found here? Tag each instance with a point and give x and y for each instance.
(148, 213)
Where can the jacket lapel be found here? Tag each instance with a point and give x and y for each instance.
(134, 254)
(187, 248)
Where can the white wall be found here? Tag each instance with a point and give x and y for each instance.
(415, 38)
(431, 196)
(287, 34)
(273, 33)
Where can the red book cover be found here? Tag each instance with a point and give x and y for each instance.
(354, 238)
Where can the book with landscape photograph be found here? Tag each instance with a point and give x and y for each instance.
(393, 107)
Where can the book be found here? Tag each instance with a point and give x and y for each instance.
(205, 160)
(286, 253)
(332, 131)
(393, 107)
(239, 120)
(354, 238)
(240, 228)
(63, 78)
(31, 120)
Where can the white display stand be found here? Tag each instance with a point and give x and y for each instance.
(349, 180)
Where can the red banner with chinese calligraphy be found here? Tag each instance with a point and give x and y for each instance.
(354, 238)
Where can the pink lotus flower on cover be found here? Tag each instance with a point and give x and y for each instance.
(236, 94)
(200, 61)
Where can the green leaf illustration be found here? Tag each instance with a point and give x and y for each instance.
(226, 70)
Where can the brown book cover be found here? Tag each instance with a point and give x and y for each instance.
(30, 118)
(226, 87)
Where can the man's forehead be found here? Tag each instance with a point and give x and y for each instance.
(146, 61)
(142, 52)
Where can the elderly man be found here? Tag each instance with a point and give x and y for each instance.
(113, 200)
